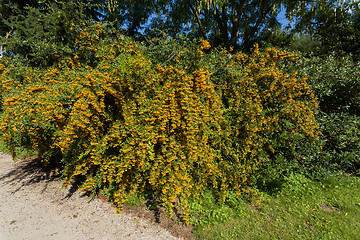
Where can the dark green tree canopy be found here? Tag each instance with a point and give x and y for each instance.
(229, 23)
(38, 32)
(335, 26)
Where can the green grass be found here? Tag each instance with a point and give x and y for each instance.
(300, 209)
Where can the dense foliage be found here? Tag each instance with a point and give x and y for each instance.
(335, 80)
(126, 125)
(39, 34)
(176, 118)
(237, 24)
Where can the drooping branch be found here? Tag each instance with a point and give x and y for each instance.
(198, 20)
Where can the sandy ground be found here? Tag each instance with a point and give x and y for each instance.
(33, 206)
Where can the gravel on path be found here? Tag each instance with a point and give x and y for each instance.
(33, 206)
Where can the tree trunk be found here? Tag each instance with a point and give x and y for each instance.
(263, 13)
(221, 19)
(198, 20)
(235, 19)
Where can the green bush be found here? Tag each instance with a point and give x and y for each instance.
(336, 84)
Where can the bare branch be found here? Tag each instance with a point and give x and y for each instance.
(198, 20)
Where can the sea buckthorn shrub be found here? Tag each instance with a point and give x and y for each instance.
(2, 67)
(270, 114)
(122, 125)
(34, 94)
(116, 121)
(282, 144)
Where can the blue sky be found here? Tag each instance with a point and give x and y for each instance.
(282, 18)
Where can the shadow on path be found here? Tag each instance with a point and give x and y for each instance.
(29, 172)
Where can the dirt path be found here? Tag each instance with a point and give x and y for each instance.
(32, 206)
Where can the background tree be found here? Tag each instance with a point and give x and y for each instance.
(240, 23)
(228, 23)
(334, 25)
(9, 9)
(130, 15)
(41, 32)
